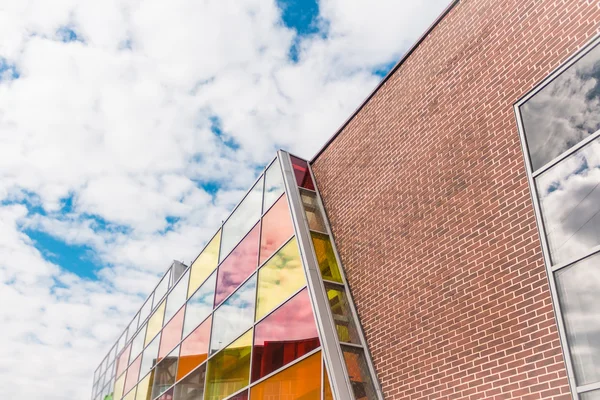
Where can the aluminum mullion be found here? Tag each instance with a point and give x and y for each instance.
(590, 253)
(365, 347)
(588, 388)
(566, 154)
(341, 387)
(546, 255)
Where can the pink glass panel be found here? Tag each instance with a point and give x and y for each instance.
(302, 173)
(277, 228)
(171, 334)
(194, 349)
(133, 374)
(238, 266)
(287, 334)
(123, 360)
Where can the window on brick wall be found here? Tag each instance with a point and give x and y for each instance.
(560, 128)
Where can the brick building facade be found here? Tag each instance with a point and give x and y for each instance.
(427, 193)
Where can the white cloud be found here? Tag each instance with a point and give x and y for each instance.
(121, 124)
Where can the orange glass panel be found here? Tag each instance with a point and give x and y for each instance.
(327, 394)
(192, 386)
(204, 264)
(362, 385)
(171, 334)
(277, 228)
(301, 381)
(123, 360)
(194, 349)
(238, 266)
(326, 257)
(284, 336)
(279, 278)
(302, 174)
(133, 374)
(229, 370)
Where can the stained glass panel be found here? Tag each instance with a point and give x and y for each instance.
(229, 370)
(171, 334)
(284, 336)
(200, 305)
(279, 278)
(243, 218)
(133, 374)
(155, 323)
(204, 264)
(177, 297)
(358, 372)
(234, 316)
(123, 360)
(302, 173)
(119, 384)
(150, 355)
(301, 381)
(238, 266)
(194, 349)
(314, 216)
(165, 372)
(326, 257)
(137, 344)
(276, 230)
(342, 315)
(143, 388)
(192, 387)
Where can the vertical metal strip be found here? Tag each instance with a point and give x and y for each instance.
(332, 353)
(562, 335)
(348, 293)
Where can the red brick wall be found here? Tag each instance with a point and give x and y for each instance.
(430, 208)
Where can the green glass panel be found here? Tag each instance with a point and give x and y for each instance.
(229, 370)
(279, 278)
(326, 257)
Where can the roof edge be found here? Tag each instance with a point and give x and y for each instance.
(385, 79)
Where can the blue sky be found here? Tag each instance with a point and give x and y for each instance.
(128, 131)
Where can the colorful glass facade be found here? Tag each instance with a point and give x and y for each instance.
(262, 313)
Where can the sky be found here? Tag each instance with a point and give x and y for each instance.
(128, 131)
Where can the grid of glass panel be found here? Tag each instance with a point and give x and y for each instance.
(560, 127)
(231, 324)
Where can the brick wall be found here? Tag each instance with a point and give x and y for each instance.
(429, 204)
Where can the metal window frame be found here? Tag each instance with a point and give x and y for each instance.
(531, 175)
(332, 348)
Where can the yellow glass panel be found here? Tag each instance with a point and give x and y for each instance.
(130, 395)
(204, 264)
(326, 258)
(119, 384)
(155, 323)
(327, 395)
(279, 278)
(301, 381)
(143, 389)
(229, 370)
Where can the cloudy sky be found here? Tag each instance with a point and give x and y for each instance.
(129, 129)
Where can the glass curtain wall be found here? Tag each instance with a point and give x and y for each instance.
(238, 323)
(560, 127)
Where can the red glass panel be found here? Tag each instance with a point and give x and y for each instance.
(277, 228)
(194, 349)
(171, 334)
(302, 173)
(133, 374)
(238, 266)
(240, 396)
(287, 334)
(123, 360)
